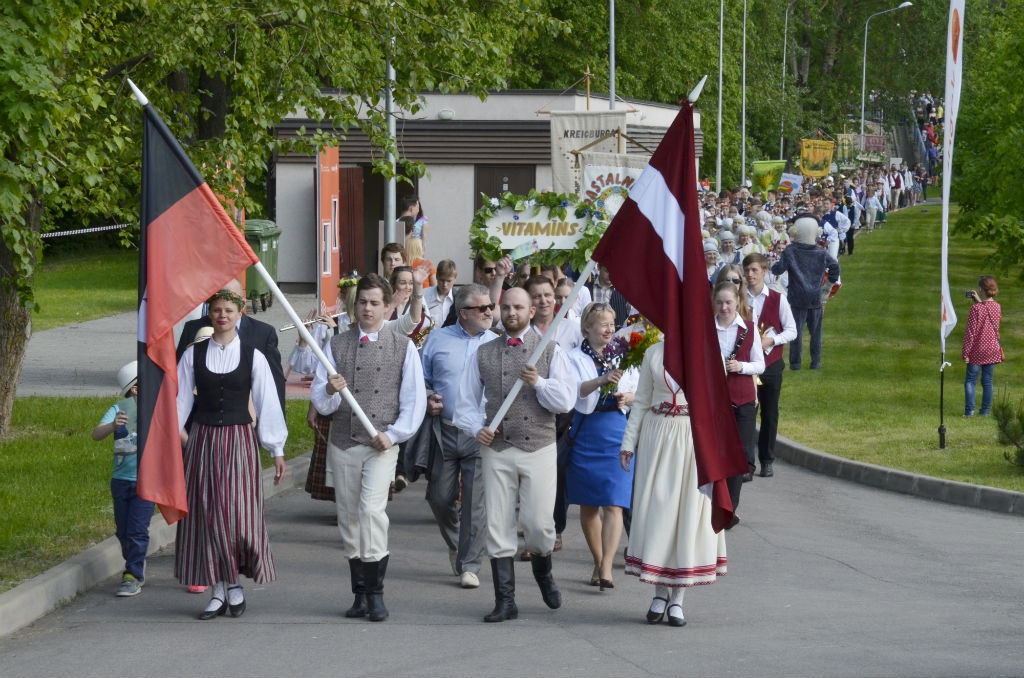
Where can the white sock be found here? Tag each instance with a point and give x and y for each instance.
(658, 605)
(676, 597)
(216, 597)
(235, 596)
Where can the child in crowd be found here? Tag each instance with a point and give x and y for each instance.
(131, 514)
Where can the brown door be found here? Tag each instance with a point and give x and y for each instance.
(351, 219)
(493, 180)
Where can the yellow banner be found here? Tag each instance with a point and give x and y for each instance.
(816, 157)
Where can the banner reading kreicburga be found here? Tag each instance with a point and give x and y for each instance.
(816, 157)
(571, 131)
(768, 175)
(607, 178)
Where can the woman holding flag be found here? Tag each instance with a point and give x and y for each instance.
(224, 534)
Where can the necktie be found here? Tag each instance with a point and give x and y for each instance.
(514, 342)
(364, 339)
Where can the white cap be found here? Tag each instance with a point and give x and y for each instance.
(128, 376)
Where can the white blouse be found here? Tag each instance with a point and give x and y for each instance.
(272, 429)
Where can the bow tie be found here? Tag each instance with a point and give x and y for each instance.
(364, 339)
(514, 342)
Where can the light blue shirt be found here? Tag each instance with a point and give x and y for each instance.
(447, 352)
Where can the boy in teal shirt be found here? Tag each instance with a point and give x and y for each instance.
(131, 514)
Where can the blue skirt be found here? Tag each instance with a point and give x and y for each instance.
(594, 476)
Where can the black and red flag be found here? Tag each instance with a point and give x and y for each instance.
(189, 249)
(654, 252)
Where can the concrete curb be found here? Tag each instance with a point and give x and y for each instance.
(37, 597)
(949, 491)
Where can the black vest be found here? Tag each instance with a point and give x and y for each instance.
(222, 399)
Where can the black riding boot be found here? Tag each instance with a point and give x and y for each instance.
(548, 587)
(358, 608)
(504, 574)
(375, 589)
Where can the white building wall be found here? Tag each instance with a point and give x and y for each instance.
(296, 217)
(449, 202)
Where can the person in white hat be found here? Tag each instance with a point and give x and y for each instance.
(131, 514)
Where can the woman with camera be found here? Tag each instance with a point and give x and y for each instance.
(981, 348)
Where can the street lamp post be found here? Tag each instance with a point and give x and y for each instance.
(782, 122)
(864, 70)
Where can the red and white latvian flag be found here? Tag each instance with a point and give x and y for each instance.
(189, 249)
(654, 252)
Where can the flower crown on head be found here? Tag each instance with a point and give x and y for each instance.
(349, 281)
(230, 296)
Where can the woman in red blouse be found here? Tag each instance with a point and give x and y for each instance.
(982, 350)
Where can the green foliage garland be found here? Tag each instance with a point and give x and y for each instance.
(558, 206)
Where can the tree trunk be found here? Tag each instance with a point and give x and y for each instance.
(15, 320)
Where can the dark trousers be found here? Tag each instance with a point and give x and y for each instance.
(850, 237)
(811, 317)
(464, 526)
(746, 422)
(768, 397)
(131, 520)
(562, 424)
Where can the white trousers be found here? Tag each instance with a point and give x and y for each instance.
(362, 479)
(527, 477)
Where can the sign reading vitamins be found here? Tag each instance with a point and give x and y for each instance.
(535, 224)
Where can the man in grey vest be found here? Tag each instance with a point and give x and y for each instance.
(383, 372)
(445, 355)
(519, 458)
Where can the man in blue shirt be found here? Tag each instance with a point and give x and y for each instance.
(447, 352)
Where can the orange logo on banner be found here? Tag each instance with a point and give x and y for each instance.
(956, 35)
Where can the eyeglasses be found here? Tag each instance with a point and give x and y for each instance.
(482, 308)
(490, 269)
(735, 281)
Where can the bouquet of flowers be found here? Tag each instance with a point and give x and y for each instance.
(623, 353)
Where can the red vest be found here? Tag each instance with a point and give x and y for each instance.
(770, 317)
(741, 386)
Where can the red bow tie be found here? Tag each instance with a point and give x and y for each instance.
(514, 342)
(364, 339)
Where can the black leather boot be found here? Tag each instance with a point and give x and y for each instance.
(548, 588)
(358, 609)
(504, 574)
(374, 573)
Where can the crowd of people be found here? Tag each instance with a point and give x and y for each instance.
(417, 370)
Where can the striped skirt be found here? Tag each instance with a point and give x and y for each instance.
(316, 478)
(224, 532)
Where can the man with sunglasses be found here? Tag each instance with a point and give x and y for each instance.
(445, 355)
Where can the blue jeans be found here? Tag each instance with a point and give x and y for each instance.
(811, 317)
(986, 388)
(131, 516)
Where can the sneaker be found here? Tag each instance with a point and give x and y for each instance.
(469, 580)
(130, 586)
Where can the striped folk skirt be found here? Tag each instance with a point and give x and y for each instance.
(316, 478)
(224, 533)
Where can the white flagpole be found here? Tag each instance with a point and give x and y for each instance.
(308, 338)
(544, 341)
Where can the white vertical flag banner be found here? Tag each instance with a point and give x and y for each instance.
(954, 69)
(574, 130)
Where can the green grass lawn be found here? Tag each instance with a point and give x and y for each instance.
(877, 397)
(76, 285)
(55, 498)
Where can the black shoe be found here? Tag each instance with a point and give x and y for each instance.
(218, 612)
(548, 588)
(655, 617)
(504, 575)
(677, 620)
(358, 608)
(606, 584)
(766, 470)
(747, 477)
(236, 610)
(374, 576)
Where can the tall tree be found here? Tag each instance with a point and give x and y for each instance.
(223, 73)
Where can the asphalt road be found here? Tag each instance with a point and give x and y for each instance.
(826, 578)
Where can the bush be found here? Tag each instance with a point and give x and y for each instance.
(1010, 423)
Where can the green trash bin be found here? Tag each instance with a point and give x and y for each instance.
(263, 236)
